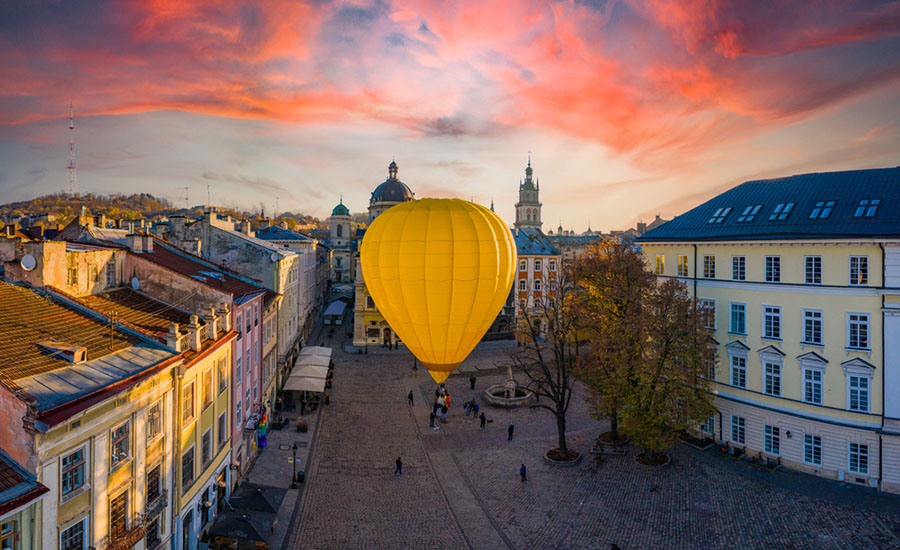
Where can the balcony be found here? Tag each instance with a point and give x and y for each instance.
(125, 540)
(152, 509)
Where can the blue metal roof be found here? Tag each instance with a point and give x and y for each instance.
(846, 189)
(531, 242)
(275, 233)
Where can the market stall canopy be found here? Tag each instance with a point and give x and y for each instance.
(309, 371)
(336, 308)
(316, 350)
(314, 360)
(302, 383)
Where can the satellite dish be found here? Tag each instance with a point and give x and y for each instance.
(274, 256)
(135, 284)
(28, 262)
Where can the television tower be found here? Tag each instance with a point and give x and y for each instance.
(72, 176)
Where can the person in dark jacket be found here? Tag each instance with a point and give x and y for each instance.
(399, 470)
(410, 398)
(510, 430)
(523, 473)
(483, 420)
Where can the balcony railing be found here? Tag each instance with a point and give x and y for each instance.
(154, 508)
(128, 538)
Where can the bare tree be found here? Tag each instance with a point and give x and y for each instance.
(548, 353)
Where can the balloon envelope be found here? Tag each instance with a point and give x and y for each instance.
(439, 270)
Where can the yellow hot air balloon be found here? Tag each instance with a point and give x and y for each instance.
(439, 270)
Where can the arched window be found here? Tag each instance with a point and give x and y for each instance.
(340, 231)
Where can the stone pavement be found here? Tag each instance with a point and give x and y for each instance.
(460, 486)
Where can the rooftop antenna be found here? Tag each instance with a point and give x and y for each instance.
(186, 199)
(276, 206)
(208, 199)
(71, 175)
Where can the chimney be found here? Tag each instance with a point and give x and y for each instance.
(173, 336)
(192, 245)
(245, 227)
(134, 242)
(264, 223)
(194, 333)
(212, 322)
(147, 242)
(224, 316)
(176, 227)
(100, 220)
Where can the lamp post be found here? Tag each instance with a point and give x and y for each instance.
(294, 476)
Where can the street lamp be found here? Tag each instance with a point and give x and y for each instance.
(294, 476)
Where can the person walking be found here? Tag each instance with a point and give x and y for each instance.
(472, 382)
(523, 473)
(466, 406)
(399, 470)
(510, 430)
(410, 398)
(483, 420)
(444, 413)
(431, 419)
(475, 406)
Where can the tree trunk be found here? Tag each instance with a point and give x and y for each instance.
(614, 425)
(561, 432)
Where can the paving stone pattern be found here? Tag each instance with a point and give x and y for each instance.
(460, 486)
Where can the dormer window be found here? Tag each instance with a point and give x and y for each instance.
(867, 208)
(781, 211)
(719, 215)
(749, 214)
(821, 210)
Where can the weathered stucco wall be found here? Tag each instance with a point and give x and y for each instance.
(14, 439)
(173, 288)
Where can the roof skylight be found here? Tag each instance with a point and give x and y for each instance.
(781, 211)
(821, 210)
(749, 213)
(719, 215)
(867, 208)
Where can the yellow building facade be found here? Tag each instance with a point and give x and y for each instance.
(803, 311)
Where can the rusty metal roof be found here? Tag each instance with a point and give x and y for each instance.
(138, 310)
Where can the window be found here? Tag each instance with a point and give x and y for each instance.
(859, 458)
(238, 370)
(153, 532)
(812, 386)
(812, 326)
(858, 330)
(821, 210)
(660, 264)
(537, 284)
(72, 276)
(859, 270)
(708, 310)
(771, 378)
(187, 469)
(749, 213)
(738, 371)
(9, 535)
(738, 268)
(523, 285)
(154, 420)
(222, 429)
(738, 318)
(222, 373)
(812, 449)
(709, 267)
(719, 215)
(709, 425)
(781, 211)
(72, 475)
(206, 447)
(75, 536)
(537, 265)
(370, 303)
(111, 272)
(247, 404)
(552, 265)
(858, 395)
(238, 415)
(867, 208)
(773, 269)
(239, 325)
(154, 483)
(813, 270)
(737, 429)
(772, 322)
(682, 266)
(772, 439)
(187, 401)
(118, 452)
(118, 515)
(523, 265)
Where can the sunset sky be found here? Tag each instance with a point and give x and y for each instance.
(629, 108)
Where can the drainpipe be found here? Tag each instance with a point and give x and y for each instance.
(695, 273)
(883, 366)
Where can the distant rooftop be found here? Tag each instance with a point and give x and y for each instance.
(275, 233)
(531, 241)
(138, 310)
(851, 204)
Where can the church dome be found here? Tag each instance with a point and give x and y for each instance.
(340, 209)
(392, 189)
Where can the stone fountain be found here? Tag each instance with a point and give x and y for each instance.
(509, 394)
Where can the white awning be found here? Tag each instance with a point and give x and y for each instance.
(300, 383)
(309, 371)
(315, 360)
(315, 350)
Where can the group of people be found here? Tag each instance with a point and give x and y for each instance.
(440, 407)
